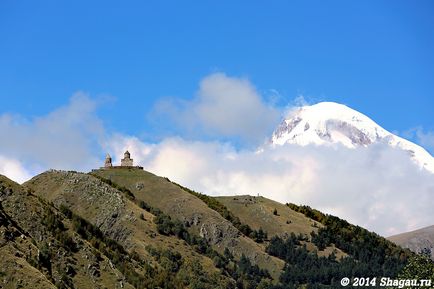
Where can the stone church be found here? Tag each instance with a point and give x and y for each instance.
(126, 162)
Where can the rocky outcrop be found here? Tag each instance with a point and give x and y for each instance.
(39, 249)
(96, 201)
(216, 233)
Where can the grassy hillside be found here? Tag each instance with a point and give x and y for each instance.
(201, 220)
(276, 219)
(368, 254)
(40, 249)
(118, 217)
(258, 212)
(127, 228)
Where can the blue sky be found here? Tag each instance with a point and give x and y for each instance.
(192, 88)
(375, 56)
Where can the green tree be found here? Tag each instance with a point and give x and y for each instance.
(419, 267)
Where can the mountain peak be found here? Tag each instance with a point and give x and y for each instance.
(331, 123)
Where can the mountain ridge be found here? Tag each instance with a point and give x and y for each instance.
(330, 123)
(130, 228)
(417, 240)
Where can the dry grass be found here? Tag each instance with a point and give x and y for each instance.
(172, 200)
(258, 212)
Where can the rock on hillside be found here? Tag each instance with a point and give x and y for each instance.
(127, 228)
(39, 250)
(114, 214)
(87, 196)
(179, 204)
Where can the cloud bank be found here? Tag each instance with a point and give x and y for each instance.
(224, 106)
(14, 170)
(377, 187)
(66, 138)
(424, 138)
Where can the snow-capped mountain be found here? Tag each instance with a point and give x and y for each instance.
(329, 123)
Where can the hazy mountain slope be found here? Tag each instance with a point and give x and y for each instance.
(416, 240)
(258, 212)
(329, 123)
(114, 214)
(202, 220)
(39, 249)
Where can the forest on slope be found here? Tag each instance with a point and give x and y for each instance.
(132, 229)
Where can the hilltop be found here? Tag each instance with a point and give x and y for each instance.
(126, 227)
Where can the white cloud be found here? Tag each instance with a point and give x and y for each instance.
(377, 187)
(426, 139)
(66, 138)
(13, 169)
(300, 100)
(422, 137)
(224, 106)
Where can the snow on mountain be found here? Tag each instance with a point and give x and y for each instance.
(329, 123)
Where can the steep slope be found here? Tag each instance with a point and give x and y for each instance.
(40, 250)
(15, 249)
(258, 212)
(416, 240)
(329, 123)
(276, 219)
(119, 218)
(318, 249)
(127, 228)
(369, 255)
(201, 220)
